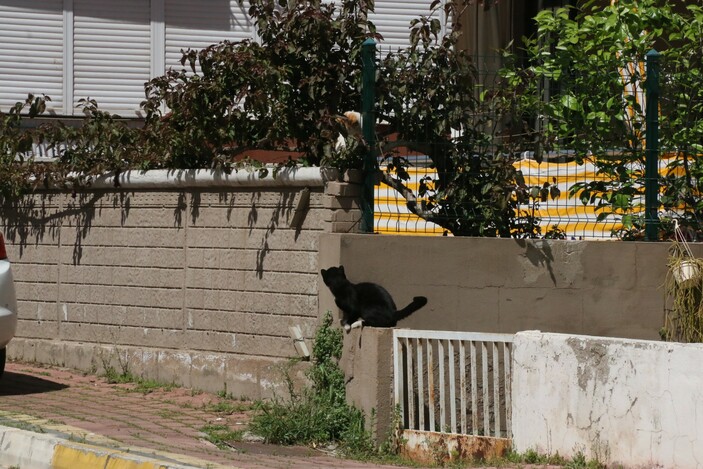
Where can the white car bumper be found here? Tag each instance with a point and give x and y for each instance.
(8, 304)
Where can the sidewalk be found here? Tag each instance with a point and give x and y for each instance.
(42, 407)
(52, 417)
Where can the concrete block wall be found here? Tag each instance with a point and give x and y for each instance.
(626, 403)
(197, 287)
(603, 288)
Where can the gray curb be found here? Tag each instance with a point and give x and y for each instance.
(32, 450)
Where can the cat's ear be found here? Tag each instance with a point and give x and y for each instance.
(341, 268)
(323, 271)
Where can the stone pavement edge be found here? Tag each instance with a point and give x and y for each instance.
(54, 450)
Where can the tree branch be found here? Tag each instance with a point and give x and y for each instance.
(409, 196)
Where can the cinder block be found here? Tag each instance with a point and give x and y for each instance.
(266, 346)
(211, 341)
(242, 377)
(260, 377)
(155, 318)
(80, 356)
(22, 349)
(167, 338)
(272, 374)
(46, 329)
(343, 203)
(280, 282)
(149, 297)
(354, 176)
(253, 302)
(346, 216)
(128, 237)
(79, 332)
(47, 292)
(35, 273)
(244, 323)
(345, 227)
(174, 367)
(50, 351)
(207, 371)
(148, 277)
(342, 189)
(215, 279)
(46, 253)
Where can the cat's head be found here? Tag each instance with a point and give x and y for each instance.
(333, 275)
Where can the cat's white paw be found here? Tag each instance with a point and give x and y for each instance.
(347, 327)
(357, 324)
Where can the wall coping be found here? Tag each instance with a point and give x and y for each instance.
(207, 178)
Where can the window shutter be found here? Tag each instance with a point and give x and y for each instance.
(31, 51)
(112, 53)
(392, 19)
(196, 25)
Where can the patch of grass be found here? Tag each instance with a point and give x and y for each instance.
(221, 435)
(77, 438)
(319, 414)
(579, 460)
(34, 372)
(145, 386)
(22, 425)
(228, 407)
(223, 394)
(142, 385)
(166, 413)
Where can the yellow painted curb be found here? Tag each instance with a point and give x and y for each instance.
(70, 457)
(42, 443)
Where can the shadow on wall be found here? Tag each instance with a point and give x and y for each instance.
(39, 218)
(539, 254)
(282, 209)
(30, 219)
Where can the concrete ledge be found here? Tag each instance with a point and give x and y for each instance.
(239, 375)
(192, 178)
(24, 448)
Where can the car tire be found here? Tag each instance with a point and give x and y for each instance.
(3, 354)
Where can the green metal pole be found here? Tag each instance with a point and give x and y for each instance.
(651, 169)
(368, 129)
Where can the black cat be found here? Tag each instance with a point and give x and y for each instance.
(365, 304)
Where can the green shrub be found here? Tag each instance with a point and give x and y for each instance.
(319, 413)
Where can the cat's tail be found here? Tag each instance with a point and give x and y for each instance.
(417, 303)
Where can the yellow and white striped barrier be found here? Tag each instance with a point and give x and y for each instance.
(569, 214)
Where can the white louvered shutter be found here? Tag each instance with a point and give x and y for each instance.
(112, 53)
(392, 19)
(31, 51)
(198, 24)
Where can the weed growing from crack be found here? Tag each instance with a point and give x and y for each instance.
(142, 385)
(228, 407)
(221, 435)
(318, 415)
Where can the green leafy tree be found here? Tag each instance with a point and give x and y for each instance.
(287, 92)
(592, 61)
(284, 92)
(472, 136)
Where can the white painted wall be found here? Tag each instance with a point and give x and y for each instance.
(631, 402)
